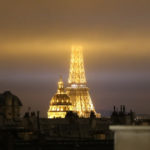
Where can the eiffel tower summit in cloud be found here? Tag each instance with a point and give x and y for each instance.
(75, 97)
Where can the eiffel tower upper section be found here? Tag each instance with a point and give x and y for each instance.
(77, 72)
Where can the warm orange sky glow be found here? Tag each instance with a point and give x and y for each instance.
(36, 39)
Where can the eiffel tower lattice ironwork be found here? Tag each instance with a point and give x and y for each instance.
(77, 89)
(77, 72)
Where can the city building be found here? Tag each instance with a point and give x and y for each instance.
(122, 117)
(10, 106)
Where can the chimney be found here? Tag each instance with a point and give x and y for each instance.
(124, 110)
(114, 108)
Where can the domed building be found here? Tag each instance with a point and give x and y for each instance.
(10, 106)
(60, 103)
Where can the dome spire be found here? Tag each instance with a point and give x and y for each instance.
(60, 86)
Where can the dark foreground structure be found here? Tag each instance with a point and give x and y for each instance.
(41, 144)
(31, 132)
(67, 145)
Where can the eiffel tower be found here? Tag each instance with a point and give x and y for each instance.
(77, 88)
(76, 96)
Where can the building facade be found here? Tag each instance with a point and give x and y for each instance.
(10, 106)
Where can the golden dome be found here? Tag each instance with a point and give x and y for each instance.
(60, 103)
(60, 99)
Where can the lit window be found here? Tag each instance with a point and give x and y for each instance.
(74, 85)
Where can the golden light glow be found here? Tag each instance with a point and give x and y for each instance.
(77, 73)
(77, 90)
(59, 103)
(77, 97)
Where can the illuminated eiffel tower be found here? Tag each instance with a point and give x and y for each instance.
(77, 89)
(76, 96)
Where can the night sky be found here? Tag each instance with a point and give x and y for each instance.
(36, 37)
